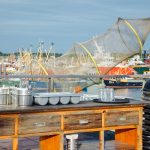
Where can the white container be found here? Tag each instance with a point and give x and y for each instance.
(53, 100)
(75, 99)
(41, 100)
(64, 100)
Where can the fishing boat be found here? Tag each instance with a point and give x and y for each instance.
(138, 65)
(123, 83)
(141, 69)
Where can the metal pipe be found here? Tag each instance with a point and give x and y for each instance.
(74, 76)
(49, 84)
(4, 71)
(63, 76)
(0, 69)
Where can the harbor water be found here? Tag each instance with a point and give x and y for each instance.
(134, 93)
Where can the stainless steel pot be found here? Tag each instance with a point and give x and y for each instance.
(3, 99)
(21, 91)
(22, 100)
(25, 100)
(4, 96)
(21, 97)
(4, 90)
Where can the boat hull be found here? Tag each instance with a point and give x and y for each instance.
(116, 70)
(141, 69)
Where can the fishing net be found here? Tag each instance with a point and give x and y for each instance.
(101, 53)
(98, 55)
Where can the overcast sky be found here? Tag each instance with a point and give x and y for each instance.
(63, 22)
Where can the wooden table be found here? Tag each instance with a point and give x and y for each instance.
(51, 123)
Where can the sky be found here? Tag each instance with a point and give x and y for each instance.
(63, 22)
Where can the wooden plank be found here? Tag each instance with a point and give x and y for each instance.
(101, 140)
(36, 123)
(74, 111)
(9, 116)
(38, 134)
(82, 121)
(82, 130)
(139, 131)
(53, 142)
(120, 127)
(15, 144)
(62, 122)
(101, 133)
(117, 118)
(16, 126)
(128, 136)
(7, 126)
(115, 145)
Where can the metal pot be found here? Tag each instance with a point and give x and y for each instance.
(4, 90)
(21, 97)
(22, 100)
(21, 91)
(3, 99)
(4, 96)
(25, 100)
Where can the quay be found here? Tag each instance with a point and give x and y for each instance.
(46, 126)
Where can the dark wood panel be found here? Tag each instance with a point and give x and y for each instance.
(114, 118)
(82, 121)
(36, 123)
(7, 126)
